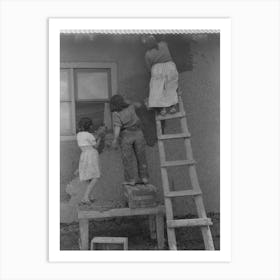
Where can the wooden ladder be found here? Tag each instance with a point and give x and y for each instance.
(195, 192)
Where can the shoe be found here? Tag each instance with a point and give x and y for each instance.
(130, 183)
(85, 203)
(172, 109)
(144, 181)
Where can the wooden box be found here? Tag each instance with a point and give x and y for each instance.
(141, 196)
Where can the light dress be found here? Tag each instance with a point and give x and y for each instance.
(164, 77)
(89, 159)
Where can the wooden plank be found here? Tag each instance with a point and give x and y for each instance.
(181, 104)
(152, 227)
(93, 65)
(174, 136)
(171, 116)
(161, 151)
(169, 210)
(183, 193)
(189, 222)
(120, 212)
(177, 163)
(159, 128)
(108, 239)
(207, 238)
(83, 226)
(160, 231)
(206, 233)
(125, 244)
(145, 197)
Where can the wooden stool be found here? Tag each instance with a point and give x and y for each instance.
(109, 240)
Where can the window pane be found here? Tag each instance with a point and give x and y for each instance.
(92, 110)
(92, 85)
(65, 118)
(64, 85)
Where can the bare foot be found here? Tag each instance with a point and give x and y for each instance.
(163, 111)
(144, 181)
(85, 200)
(172, 110)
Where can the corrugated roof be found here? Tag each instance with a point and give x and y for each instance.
(139, 31)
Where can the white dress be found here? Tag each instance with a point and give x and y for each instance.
(89, 159)
(164, 77)
(163, 85)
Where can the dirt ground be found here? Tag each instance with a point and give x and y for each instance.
(137, 231)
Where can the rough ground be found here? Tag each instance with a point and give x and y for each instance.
(137, 231)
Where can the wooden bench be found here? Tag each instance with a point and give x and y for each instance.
(156, 221)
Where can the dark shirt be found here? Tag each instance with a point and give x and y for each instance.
(126, 118)
(160, 55)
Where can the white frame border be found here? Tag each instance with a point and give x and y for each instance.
(222, 24)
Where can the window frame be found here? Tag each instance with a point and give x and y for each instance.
(71, 66)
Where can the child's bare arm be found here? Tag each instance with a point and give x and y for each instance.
(97, 142)
(99, 134)
(134, 103)
(117, 130)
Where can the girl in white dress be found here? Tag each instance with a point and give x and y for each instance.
(89, 169)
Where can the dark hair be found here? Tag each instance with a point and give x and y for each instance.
(85, 124)
(117, 103)
(149, 41)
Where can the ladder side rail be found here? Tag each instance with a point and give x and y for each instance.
(169, 211)
(206, 232)
(167, 200)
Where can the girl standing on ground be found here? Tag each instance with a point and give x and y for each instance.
(127, 127)
(164, 75)
(89, 169)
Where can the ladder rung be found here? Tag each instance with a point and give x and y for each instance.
(174, 136)
(182, 193)
(177, 163)
(189, 222)
(171, 116)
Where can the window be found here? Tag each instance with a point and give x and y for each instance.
(85, 90)
(92, 84)
(66, 113)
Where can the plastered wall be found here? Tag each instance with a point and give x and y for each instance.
(199, 81)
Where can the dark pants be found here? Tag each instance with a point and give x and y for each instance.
(133, 142)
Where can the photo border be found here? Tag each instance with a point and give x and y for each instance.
(56, 25)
